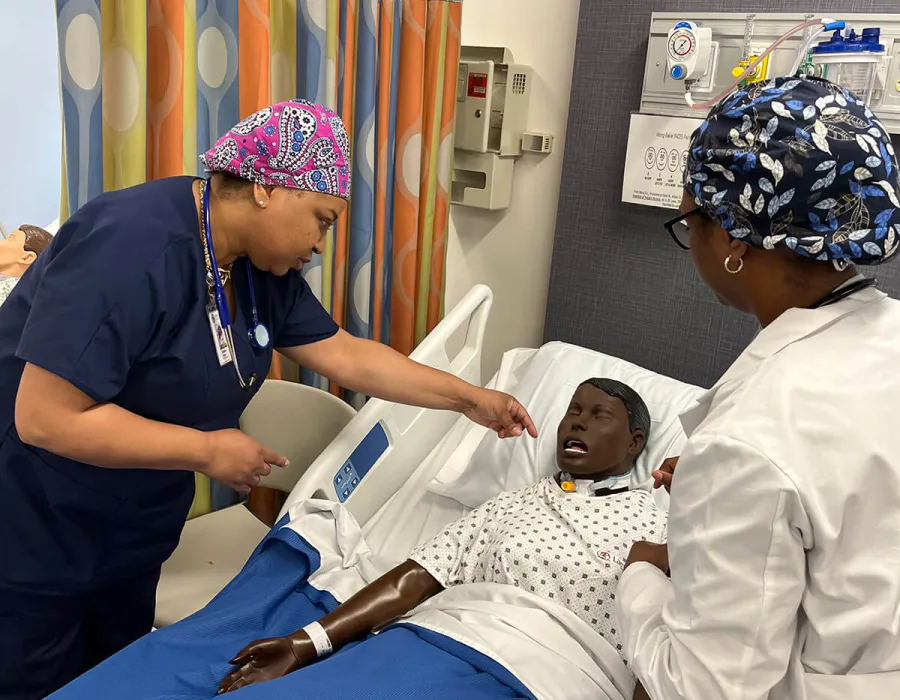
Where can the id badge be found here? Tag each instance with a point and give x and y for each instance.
(220, 341)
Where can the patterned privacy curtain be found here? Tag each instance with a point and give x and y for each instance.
(148, 85)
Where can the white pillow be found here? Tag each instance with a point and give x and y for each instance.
(546, 385)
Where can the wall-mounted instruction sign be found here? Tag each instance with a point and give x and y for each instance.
(654, 164)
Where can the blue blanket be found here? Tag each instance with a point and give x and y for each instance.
(271, 597)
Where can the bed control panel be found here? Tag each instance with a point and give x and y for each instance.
(364, 457)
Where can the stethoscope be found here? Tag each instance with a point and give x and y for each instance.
(842, 293)
(258, 333)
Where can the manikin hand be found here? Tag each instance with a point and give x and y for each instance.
(501, 413)
(656, 554)
(385, 599)
(268, 659)
(663, 475)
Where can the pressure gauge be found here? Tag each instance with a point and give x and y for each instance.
(682, 44)
(688, 51)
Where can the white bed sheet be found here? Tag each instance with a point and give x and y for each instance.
(537, 640)
(473, 465)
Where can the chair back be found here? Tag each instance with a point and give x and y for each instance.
(297, 421)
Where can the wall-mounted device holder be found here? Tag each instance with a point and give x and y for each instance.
(491, 115)
(694, 62)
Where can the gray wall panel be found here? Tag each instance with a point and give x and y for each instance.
(618, 284)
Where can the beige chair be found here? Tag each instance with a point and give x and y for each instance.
(296, 421)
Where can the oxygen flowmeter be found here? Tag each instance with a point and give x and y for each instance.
(688, 51)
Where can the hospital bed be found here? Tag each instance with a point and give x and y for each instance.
(404, 473)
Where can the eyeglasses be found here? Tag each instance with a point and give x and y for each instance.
(678, 229)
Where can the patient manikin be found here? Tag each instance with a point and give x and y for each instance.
(17, 252)
(565, 539)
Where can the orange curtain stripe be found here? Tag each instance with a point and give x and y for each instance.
(253, 55)
(165, 94)
(406, 186)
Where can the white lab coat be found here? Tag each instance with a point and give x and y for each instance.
(784, 526)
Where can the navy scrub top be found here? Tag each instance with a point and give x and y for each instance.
(116, 306)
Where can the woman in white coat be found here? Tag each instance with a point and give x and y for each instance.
(784, 528)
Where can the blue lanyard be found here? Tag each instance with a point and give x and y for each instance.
(258, 333)
(221, 299)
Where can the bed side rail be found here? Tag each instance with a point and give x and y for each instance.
(386, 442)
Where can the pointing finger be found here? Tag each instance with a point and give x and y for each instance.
(521, 415)
(274, 459)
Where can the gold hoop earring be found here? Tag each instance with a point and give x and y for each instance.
(739, 267)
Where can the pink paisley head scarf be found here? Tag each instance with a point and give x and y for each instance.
(295, 144)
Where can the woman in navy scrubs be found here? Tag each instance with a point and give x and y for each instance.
(127, 354)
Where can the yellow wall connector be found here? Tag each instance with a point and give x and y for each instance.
(760, 73)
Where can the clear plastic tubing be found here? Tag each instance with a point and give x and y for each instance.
(804, 50)
(825, 25)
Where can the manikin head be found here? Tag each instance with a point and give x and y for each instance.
(21, 248)
(604, 430)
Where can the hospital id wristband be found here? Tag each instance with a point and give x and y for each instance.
(319, 637)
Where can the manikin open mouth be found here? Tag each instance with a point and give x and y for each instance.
(574, 447)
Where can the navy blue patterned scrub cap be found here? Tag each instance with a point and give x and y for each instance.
(799, 164)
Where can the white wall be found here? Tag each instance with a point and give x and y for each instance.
(30, 119)
(510, 250)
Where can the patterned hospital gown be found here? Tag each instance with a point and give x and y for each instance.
(6, 286)
(566, 547)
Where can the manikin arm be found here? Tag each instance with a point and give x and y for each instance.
(392, 595)
(640, 693)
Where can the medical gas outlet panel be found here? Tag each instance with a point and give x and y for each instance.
(492, 98)
(693, 58)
